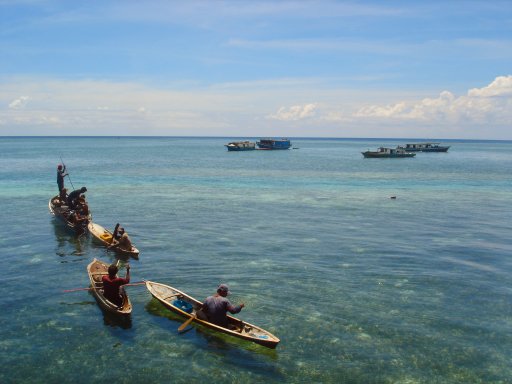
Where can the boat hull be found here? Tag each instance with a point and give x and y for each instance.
(440, 149)
(272, 144)
(425, 147)
(166, 295)
(96, 270)
(377, 155)
(238, 146)
(61, 214)
(104, 237)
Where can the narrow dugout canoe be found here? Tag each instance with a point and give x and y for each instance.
(96, 270)
(186, 306)
(104, 236)
(61, 212)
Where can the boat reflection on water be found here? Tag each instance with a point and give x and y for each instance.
(113, 320)
(67, 245)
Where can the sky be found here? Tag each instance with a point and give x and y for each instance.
(255, 68)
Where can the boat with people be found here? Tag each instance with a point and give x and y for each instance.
(425, 147)
(96, 270)
(186, 306)
(105, 237)
(383, 152)
(72, 219)
(274, 144)
(236, 146)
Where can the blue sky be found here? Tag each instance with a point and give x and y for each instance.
(416, 69)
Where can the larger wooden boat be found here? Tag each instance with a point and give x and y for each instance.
(104, 237)
(237, 146)
(382, 153)
(274, 144)
(62, 212)
(96, 270)
(425, 147)
(186, 306)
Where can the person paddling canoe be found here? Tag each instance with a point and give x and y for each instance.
(112, 285)
(215, 307)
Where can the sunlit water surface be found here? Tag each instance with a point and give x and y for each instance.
(359, 287)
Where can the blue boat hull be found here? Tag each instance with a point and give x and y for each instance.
(274, 144)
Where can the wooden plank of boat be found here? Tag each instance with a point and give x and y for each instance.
(96, 270)
(168, 296)
(61, 212)
(104, 236)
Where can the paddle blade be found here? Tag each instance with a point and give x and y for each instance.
(186, 323)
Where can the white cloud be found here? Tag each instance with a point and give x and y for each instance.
(19, 103)
(242, 110)
(492, 103)
(294, 113)
(501, 86)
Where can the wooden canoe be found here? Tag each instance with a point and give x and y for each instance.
(96, 270)
(61, 212)
(104, 236)
(167, 295)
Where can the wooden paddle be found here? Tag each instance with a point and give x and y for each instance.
(186, 323)
(86, 289)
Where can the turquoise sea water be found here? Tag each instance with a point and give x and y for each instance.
(360, 288)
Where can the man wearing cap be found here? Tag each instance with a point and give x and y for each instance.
(215, 307)
(61, 174)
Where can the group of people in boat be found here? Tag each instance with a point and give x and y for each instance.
(77, 209)
(215, 307)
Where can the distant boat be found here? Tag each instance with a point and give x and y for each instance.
(274, 144)
(383, 152)
(241, 146)
(425, 147)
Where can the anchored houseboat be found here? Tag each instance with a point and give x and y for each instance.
(241, 146)
(383, 152)
(425, 147)
(274, 144)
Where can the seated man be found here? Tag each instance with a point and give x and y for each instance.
(63, 196)
(77, 219)
(112, 285)
(215, 307)
(123, 241)
(83, 207)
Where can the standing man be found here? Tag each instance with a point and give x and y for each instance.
(61, 174)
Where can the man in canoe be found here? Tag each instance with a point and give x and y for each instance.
(112, 285)
(215, 307)
(121, 240)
